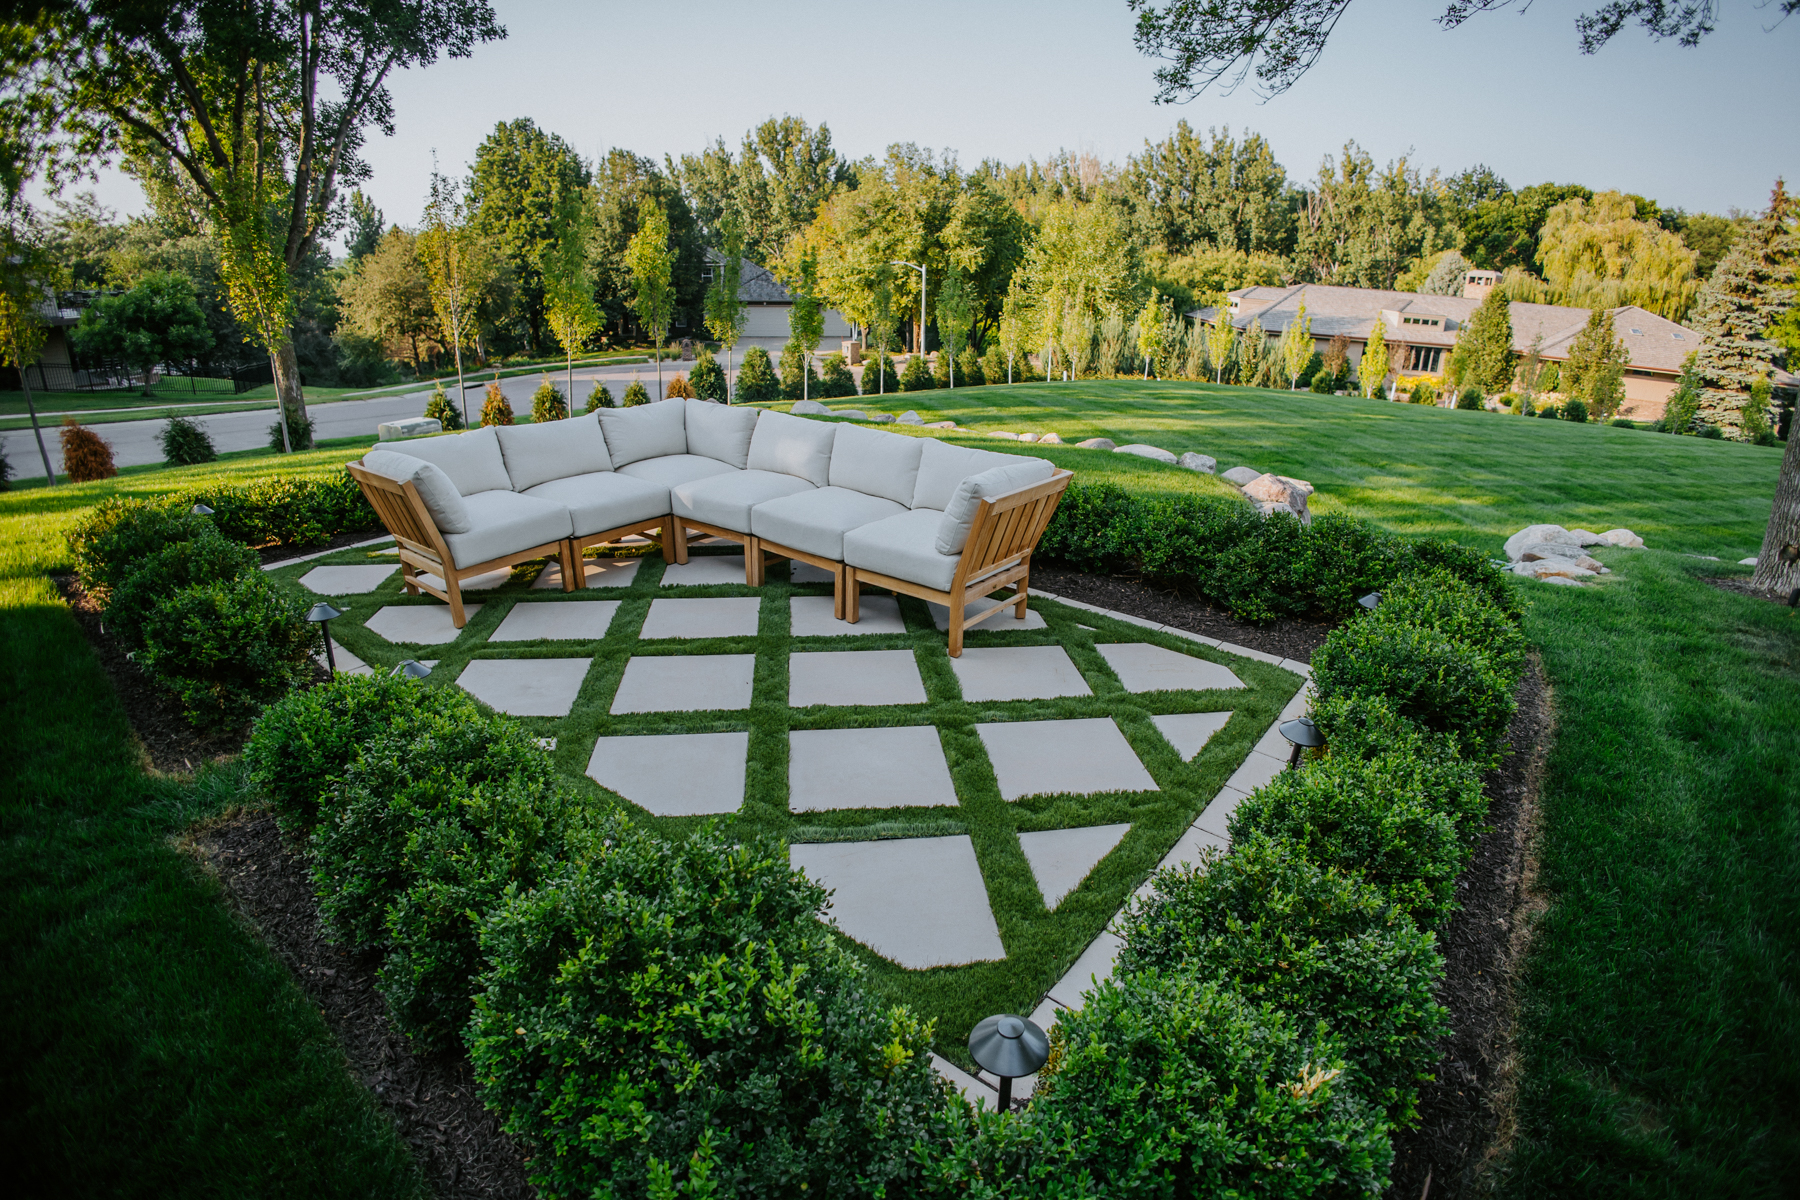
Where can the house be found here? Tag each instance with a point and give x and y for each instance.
(766, 308)
(55, 369)
(1420, 330)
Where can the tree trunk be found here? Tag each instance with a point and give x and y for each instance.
(291, 399)
(1778, 566)
(37, 431)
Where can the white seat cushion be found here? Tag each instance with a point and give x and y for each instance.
(953, 528)
(471, 460)
(793, 446)
(671, 470)
(720, 431)
(504, 522)
(816, 521)
(554, 450)
(726, 500)
(904, 546)
(876, 464)
(442, 500)
(943, 466)
(644, 431)
(602, 500)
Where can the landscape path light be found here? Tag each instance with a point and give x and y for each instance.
(1369, 601)
(411, 668)
(1304, 735)
(1010, 1047)
(200, 510)
(321, 614)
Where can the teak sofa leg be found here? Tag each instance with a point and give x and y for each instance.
(958, 607)
(571, 565)
(453, 589)
(675, 547)
(754, 567)
(852, 594)
(837, 591)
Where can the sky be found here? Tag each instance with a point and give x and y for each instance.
(1699, 129)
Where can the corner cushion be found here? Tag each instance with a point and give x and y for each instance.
(669, 470)
(442, 500)
(720, 431)
(644, 431)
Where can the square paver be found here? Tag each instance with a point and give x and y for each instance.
(487, 581)
(799, 572)
(998, 623)
(812, 617)
(867, 768)
(1189, 732)
(418, 624)
(686, 683)
(705, 569)
(599, 573)
(920, 902)
(854, 677)
(1142, 667)
(566, 621)
(525, 687)
(675, 774)
(716, 617)
(1018, 673)
(346, 581)
(1062, 858)
(1076, 757)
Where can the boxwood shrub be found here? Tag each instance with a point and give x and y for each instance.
(1442, 683)
(228, 647)
(672, 1013)
(1314, 941)
(117, 536)
(1439, 601)
(207, 557)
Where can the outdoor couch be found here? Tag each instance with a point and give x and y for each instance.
(908, 514)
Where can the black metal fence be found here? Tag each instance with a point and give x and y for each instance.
(94, 375)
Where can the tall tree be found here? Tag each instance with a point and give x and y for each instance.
(954, 317)
(622, 182)
(28, 278)
(521, 178)
(806, 320)
(569, 287)
(366, 225)
(1484, 348)
(724, 306)
(1297, 345)
(388, 297)
(1189, 193)
(1749, 292)
(1595, 370)
(1361, 226)
(1598, 254)
(784, 170)
(158, 321)
(649, 260)
(458, 266)
(1372, 370)
(253, 113)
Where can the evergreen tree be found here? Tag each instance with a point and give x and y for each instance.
(1373, 368)
(600, 397)
(878, 378)
(548, 404)
(636, 394)
(1253, 355)
(1595, 372)
(1486, 345)
(1749, 291)
(836, 380)
(707, 377)
(916, 378)
(756, 382)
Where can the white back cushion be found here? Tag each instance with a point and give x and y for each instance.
(441, 498)
(793, 446)
(554, 450)
(720, 431)
(647, 431)
(471, 460)
(943, 466)
(953, 530)
(875, 464)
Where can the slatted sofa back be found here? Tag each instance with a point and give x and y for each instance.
(402, 512)
(1007, 528)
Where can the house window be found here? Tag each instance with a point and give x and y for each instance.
(1424, 358)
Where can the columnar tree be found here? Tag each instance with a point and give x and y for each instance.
(1013, 320)
(724, 307)
(1297, 346)
(806, 319)
(649, 259)
(1485, 348)
(1221, 338)
(954, 317)
(569, 286)
(1373, 368)
(1595, 371)
(458, 267)
(1749, 292)
(1152, 330)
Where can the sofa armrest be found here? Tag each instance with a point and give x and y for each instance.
(402, 512)
(1007, 527)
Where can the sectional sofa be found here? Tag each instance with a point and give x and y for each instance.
(906, 514)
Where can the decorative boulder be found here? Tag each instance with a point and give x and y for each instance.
(909, 417)
(1587, 538)
(1098, 444)
(1050, 439)
(855, 414)
(1203, 463)
(1531, 535)
(1273, 492)
(1544, 568)
(1143, 451)
(1028, 437)
(810, 408)
(1624, 538)
(880, 418)
(1242, 475)
(1546, 552)
(1747, 562)
(940, 424)
(1001, 433)
(408, 427)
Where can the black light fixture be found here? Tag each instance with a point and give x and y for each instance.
(321, 614)
(1304, 735)
(200, 510)
(411, 668)
(1369, 601)
(1010, 1047)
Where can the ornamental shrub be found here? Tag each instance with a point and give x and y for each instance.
(1549, 412)
(799, 381)
(1550, 378)
(299, 433)
(6, 471)
(636, 393)
(676, 1006)
(1470, 399)
(208, 557)
(1167, 1084)
(496, 409)
(228, 647)
(916, 377)
(426, 830)
(1364, 728)
(116, 535)
(1622, 423)
(1316, 942)
(548, 404)
(708, 377)
(1424, 393)
(756, 382)
(439, 409)
(600, 397)
(878, 378)
(85, 456)
(1461, 562)
(184, 443)
(1322, 382)
(1442, 683)
(969, 369)
(835, 379)
(1575, 410)
(679, 388)
(1440, 601)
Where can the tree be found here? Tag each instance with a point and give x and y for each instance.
(622, 182)
(756, 383)
(1484, 349)
(569, 286)
(649, 260)
(458, 268)
(1748, 293)
(520, 181)
(388, 297)
(806, 320)
(1013, 322)
(785, 170)
(1187, 193)
(1297, 345)
(1152, 330)
(724, 307)
(1373, 368)
(1361, 226)
(366, 225)
(248, 115)
(156, 322)
(1600, 255)
(953, 317)
(1595, 370)
(28, 278)
(1203, 42)
(1222, 338)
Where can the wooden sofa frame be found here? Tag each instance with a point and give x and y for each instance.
(998, 553)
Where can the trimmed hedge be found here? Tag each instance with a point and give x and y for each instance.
(208, 557)
(116, 536)
(1441, 682)
(228, 647)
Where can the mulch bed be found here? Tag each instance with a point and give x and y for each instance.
(431, 1097)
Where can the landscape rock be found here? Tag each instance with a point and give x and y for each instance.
(1028, 437)
(1561, 580)
(855, 414)
(408, 427)
(1624, 538)
(1242, 475)
(880, 418)
(1747, 562)
(940, 424)
(1204, 463)
(1545, 568)
(1098, 444)
(1587, 537)
(1532, 535)
(1143, 451)
(1280, 491)
(1050, 439)
(810, 408)
(1001, 433)
(909, 417)
(1545, 550)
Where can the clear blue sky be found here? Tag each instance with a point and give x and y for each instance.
(1708, 128)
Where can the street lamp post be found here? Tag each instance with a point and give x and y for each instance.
(921, 270)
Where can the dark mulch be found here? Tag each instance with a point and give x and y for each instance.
(273, 555)
(1484, 946)
(432, 1098)
(1291, 639)
(1743, 588)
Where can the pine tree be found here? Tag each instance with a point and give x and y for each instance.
(707, 377)
(756, 382)
(1749, 291)
(1486, 345)
(1372, 370)
(1595, 371)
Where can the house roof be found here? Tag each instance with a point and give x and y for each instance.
(756, 284)
(1655, 343)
